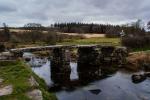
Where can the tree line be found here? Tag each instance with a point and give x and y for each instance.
(86, 28)
(95, 28)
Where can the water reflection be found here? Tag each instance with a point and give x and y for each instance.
(118, 87)
(74, 74)
(44, 72)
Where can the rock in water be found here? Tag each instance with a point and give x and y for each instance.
(96, 91)
(147, 74)
(138, 78)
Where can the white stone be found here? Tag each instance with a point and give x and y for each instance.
(6, 90)
(1, 80)
(35, 95)
(33, 82)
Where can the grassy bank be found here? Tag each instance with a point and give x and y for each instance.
(18, 74)
(146, 49)
(102, 41)
(72, 41)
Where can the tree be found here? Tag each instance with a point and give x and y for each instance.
(51, 38)
(6, 31)
(148, 25)
(138, 24)
(33, 26)
(2, 48)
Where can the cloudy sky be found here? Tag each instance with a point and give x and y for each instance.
(20, 12)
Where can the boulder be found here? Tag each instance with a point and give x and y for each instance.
(35, 95)
(138, 78)
(146, 66)
(7, 90)
(1, 80)
(33, 82)
(147, 74)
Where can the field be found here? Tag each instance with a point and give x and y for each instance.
(87, 35)
(102, 41)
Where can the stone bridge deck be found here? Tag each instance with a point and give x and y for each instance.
(43, 48)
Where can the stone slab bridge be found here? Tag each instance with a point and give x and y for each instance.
(91, 59)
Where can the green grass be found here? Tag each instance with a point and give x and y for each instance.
(102, 41)
(74, 41)
(146, 49)
(16, 73)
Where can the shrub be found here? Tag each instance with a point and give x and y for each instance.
(112, 35)
(50, 38)
(136, 41)
(2, 48)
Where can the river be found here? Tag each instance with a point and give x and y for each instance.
(118, 86)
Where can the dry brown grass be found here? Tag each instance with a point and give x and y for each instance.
(136, 60)
(87, 35)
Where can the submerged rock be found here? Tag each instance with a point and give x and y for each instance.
(95, 91)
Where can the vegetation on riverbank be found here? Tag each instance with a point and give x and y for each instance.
(71, 41)
(137, 42)
(138, 61)
(18, 74)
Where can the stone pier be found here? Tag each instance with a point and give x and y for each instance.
(106, 54)
(88, 64)
(60, 66)
(18, 54)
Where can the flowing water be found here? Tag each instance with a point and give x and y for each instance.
(119, 86)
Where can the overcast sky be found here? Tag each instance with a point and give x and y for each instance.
(46, 12)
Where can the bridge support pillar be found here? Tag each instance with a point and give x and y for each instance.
(60, 66)
(88, 64)
(17, 54)
(106, 55)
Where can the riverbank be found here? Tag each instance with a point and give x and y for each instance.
(138, 61)
(18, 82)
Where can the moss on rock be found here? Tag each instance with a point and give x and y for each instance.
(17, 73)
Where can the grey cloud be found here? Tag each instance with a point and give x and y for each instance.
(6, 7)
(50, 11)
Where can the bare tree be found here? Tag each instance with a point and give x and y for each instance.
(6, 31)
(33, 26)
(148, 25)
